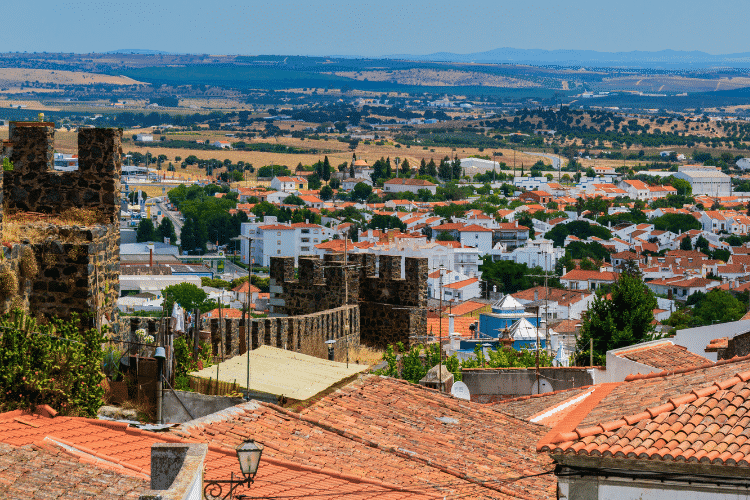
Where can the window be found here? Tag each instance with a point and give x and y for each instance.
(278, 233)
(278, 252)
(278, 242)
(305, 231)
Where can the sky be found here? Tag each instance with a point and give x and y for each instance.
(373, 28)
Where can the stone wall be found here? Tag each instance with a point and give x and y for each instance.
(75, 269)
(392, 309)
(34, 186)
(305, 334)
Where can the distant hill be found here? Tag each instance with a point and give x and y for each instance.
(658, 59)
(138, 51)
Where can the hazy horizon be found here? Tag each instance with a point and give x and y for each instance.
(372, 29)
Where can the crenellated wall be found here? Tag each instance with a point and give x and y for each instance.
(392, 309)
(305, 334)
(63, 269)
(34, 186)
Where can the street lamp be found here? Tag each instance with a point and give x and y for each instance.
(330, 343)
(248, 455)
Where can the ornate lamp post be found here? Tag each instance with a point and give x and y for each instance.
(248, 455)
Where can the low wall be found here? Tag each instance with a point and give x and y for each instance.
(488, 384)
(199, 405)
(305, 334)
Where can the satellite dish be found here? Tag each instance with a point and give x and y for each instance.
(460, 391)
(544, 386)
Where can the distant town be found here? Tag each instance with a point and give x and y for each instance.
(361, 282)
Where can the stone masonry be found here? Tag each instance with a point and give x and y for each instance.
(77, 268)
(392, 309)
(305, 334)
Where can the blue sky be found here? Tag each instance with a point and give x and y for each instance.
(372, 28)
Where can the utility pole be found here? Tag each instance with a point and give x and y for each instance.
(247, 323)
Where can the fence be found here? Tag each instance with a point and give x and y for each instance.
(213, 387)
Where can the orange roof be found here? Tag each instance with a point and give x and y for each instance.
(475, 228)
(467, 307)
(460, 325)
(664, 356)
(409, 182)
(707, 425)
(461, 284)
(582, 275)
(379, 427)
(121, 446)
(226, 313)
(244, 287)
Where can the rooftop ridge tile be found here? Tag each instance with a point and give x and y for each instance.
(665, 373)
(577, 415)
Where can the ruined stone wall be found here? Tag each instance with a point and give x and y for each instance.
(322, 285)
(34, 186)
(65, 269)
(305, 334)
(392, 309)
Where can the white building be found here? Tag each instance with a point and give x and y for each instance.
(222, 144)
(476, 236)
(272, 239)
(144, 137)
(288, 184)
(706, 180)
(401, 185)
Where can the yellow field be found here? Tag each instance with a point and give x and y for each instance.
(21, 75)
(437, 78)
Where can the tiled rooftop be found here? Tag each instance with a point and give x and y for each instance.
(645, 391)
(663, 356)
(526, 407)
(401, 433)
(707, 425)
(117, 445)
(45, 471)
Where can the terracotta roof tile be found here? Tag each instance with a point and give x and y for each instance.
(708, 427)
(43, 470)
(114, 442)
(664, 356)
(410, 436)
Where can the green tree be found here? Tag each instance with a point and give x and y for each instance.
(716, 306)
(293, 199)
(145, 231)
(187, 236)
(189, 296)
(405, 168)
(385, 222)
(166, 230)
(619, 321)
(510, 277)
(445, 236)
(432, 168)
(676, 223)
(326, 193)
(361, 191)
(686, 244)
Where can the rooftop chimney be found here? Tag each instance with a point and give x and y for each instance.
(450, 323)
(536, 295)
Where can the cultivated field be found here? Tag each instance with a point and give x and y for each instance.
(438, 78)
(16, 76)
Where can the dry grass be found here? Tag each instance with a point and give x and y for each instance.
(366, 356)
(36, 228)
(10, 76)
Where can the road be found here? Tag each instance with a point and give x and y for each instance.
(556, 160)
(174, 216)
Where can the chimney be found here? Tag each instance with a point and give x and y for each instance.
(450, 323)
(536, 295)
(151, 257)
(565, 271)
